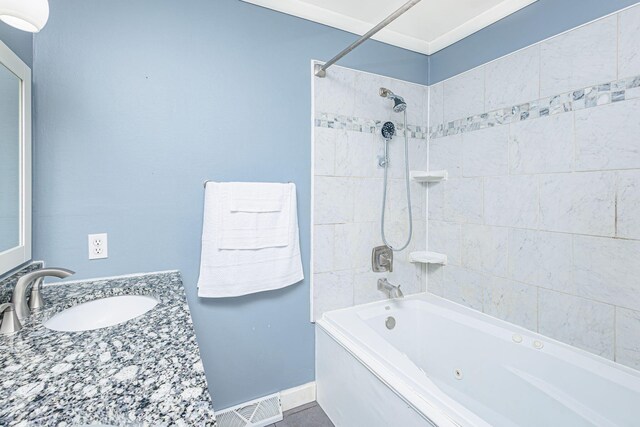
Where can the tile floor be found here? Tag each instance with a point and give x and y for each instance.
(309, 415)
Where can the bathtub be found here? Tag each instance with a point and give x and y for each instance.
(422, 361)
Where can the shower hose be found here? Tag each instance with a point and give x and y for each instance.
(407, 181)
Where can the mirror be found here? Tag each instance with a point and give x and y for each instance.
(9, 159)
(15, 160)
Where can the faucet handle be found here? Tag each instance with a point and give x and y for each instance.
(10, 322)
(386, 260)
(36, 302)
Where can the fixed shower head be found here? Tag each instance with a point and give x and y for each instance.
(399, 105)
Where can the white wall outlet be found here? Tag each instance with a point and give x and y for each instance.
(98, 247)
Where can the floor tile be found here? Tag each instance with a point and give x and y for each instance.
(299, 408)
(310, 417)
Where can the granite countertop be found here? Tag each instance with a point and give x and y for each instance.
(144, 372)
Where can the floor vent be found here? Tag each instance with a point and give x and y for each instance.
(257, 413)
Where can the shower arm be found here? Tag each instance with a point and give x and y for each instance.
(321, 70)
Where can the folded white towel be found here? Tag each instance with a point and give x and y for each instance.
(258, 196)
(228, 273)
(254, 216)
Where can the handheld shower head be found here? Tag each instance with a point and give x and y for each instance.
(399, 105)
(388, 130)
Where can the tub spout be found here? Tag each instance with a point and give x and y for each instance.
(391, 290)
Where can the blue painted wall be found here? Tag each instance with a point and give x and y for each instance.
(139, 102)
(538, 21)
(18, 41)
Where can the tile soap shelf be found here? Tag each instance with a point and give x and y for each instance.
(429, 176)
(426, 257)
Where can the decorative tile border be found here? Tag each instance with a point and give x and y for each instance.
(588, 97)
(358, 124)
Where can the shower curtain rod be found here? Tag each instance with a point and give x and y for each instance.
(321, 70)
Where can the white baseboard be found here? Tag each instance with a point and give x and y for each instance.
(298, 396)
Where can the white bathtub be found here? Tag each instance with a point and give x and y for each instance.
(446, 365)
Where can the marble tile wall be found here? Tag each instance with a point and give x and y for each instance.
(540, 217)
(347, 188)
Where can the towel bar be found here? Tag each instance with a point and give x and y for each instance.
(208, 180)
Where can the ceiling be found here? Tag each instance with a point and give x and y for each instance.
(428, 27)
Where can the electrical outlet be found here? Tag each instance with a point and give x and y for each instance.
(98, 246)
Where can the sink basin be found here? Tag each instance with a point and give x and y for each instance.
(101, 313)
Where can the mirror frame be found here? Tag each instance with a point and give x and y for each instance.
(18, 255)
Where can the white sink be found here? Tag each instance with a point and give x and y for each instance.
(101, 313)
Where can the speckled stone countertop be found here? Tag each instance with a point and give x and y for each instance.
(144, 372)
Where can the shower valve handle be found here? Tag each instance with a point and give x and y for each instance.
(386, 260)
(382, 259)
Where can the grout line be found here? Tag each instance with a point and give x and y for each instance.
(538, 309)
(615, 333)
(539, 70)
(539, 204)
(618, 44)
(509, 145)
(574, 141)
(615, 210)
(541, 230)
(484, 88)
(572, 261)
(482, 195)
(571, 172)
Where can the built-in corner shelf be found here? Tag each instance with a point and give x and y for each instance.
(426, 257)
(429, 176)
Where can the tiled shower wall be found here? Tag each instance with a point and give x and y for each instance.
(540, 218)
(347, 190)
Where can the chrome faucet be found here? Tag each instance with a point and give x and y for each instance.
(391, 290)
(19, 297)
(17, 310)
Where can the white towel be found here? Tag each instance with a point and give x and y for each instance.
(228, 273)
(254, 215)
(258, 196)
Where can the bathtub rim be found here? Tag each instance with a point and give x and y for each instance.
(323, 335)
(402, 388)
(494, 322)
(410, 393)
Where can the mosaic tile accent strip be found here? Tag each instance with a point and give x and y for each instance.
(358, 124)
(587, 97)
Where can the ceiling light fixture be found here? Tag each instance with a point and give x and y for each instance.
(25, 15)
